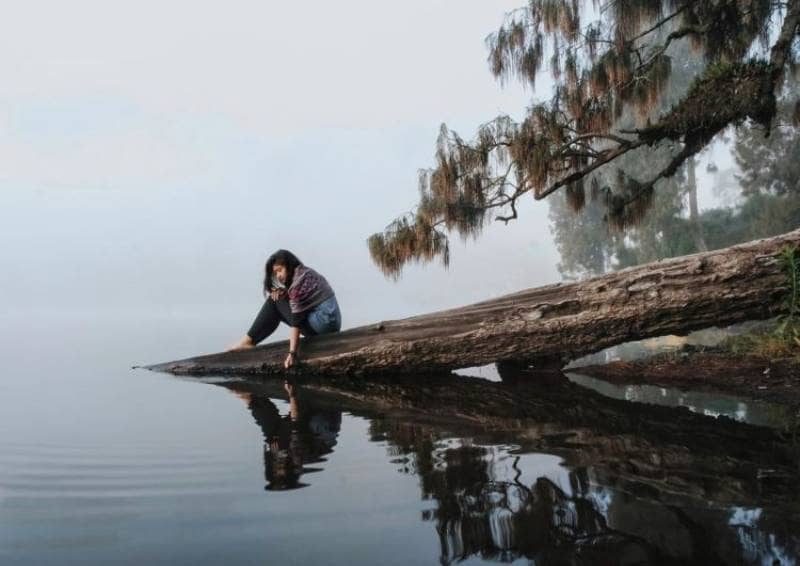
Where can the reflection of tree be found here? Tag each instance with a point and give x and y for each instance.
(624, 483)
(480, 513)
(293, 441)
(482, 507)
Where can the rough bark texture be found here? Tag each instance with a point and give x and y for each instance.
(547, 325)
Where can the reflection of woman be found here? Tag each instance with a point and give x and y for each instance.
(297, 295)
(291, 442)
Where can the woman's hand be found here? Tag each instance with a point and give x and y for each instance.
(290, 360)
(277, 294)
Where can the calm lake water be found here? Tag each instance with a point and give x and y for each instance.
(103, 464)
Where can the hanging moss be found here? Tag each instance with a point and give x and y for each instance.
(617, 67)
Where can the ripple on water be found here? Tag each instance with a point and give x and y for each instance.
(36, 471)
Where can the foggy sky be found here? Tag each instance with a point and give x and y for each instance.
(154, 154)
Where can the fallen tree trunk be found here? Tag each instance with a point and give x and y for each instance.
(545, 326)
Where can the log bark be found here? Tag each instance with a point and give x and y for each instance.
(547, 325)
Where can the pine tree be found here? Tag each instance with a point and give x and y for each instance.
(620, 62)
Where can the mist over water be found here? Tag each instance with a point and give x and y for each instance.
(143, 186)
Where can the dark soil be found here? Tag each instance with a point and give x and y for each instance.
(709, 369)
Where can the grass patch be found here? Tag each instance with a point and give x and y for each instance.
(783, 339)
(763, 344)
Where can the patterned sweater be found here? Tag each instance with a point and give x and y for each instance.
(308, 289)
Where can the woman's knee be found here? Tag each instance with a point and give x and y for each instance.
(265, 323)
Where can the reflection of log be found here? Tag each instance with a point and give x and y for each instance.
(553, 323)
(642, 446)
(482, 506)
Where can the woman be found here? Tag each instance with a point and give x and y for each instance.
(298, 296)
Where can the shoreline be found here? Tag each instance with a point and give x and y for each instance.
(712, 370)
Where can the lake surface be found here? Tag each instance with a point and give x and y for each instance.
(103, 464)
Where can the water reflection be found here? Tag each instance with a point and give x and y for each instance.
(293, 441)
(544, 486)
(501, 504)
(710, 404)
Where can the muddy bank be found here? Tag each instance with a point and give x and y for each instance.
(711, 370)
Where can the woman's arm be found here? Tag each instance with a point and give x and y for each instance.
(294, 345)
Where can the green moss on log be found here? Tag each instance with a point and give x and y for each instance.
(727, 93)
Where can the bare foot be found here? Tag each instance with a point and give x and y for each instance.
(244, 344)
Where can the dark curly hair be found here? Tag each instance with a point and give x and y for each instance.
(284, 258)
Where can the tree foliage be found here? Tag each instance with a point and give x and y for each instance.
(618, 64)
(772, 164)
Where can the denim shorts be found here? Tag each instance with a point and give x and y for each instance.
(325, 317)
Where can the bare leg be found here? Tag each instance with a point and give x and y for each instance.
(265, 323)
(243, 344)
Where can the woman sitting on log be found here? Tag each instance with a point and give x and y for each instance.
(297, 295)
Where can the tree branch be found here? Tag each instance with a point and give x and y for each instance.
(581, 173)
(658, 24)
